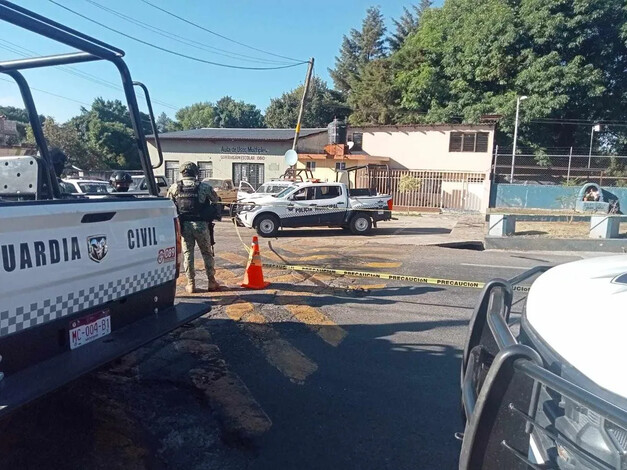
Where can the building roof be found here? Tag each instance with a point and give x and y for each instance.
(375, 127)
(237, 134)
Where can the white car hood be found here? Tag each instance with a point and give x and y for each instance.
(579, 310)
(265, 200)
(251, 197)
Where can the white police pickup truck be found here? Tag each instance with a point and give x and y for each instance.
(316, 205)
(548, 388)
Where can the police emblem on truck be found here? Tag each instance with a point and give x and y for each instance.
(97, 247)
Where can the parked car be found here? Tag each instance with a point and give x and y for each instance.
(315, 205)
(86, 187)
(224, 189)
(139, 184)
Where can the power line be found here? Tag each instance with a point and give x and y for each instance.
(169, 51)
(182, 39)
(218, 34)
(48, 92)
(78, 72)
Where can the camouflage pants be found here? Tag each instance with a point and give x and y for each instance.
(192, 233)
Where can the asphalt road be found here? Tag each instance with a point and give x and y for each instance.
(316, 371)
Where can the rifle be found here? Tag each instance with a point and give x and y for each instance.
(211, 236)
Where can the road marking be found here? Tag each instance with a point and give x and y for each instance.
(314, 318)
(494, 266)
(303, 251)
(233, 258)
(271, 255)
(239, 412)
(291, 362)
(384, 265)
(225, 274)
(317, 257)
(282, 278)
(367, 286)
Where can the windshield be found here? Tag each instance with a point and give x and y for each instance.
(285, 192)
(271, 188)
(93, 188)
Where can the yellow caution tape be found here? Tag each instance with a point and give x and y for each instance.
(391, 277)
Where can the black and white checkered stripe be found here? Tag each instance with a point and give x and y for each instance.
(37, 313)
(321, 210)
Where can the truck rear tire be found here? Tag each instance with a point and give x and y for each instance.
(267, 225)
(360, 224)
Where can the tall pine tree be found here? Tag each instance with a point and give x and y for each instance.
(358, 49)
(407, 24)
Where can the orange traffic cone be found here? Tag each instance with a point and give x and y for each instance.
(253, 277)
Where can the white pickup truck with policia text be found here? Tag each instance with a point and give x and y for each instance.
(82, 281)
(316, 204)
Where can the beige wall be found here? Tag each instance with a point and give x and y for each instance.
(425, 147)
(223, 154)
(325, 169)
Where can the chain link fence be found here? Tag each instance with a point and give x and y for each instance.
(570, 169)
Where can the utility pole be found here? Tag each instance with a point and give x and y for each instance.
(302, 104)
(518, 100)
(596, 127)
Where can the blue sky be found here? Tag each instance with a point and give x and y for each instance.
(299, 29)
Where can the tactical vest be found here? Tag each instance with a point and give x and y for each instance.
(187, 202)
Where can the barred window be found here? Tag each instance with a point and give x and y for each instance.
(172, 171)
(205, 170)
(468, 142)
(310, 166)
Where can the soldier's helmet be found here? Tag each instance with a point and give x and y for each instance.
(189, 169)
(121, 181)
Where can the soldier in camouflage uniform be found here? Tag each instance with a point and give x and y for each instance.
(189, 196)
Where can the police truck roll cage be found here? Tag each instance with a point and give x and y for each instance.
(91, 50)
(501, 384)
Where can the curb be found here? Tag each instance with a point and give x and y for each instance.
(556, 244)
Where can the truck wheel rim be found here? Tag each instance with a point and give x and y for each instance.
(361, 224)
(266, 226)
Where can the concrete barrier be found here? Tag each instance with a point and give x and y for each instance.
(605, 226)
(501, 225)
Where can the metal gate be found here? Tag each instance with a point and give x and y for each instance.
(252, 173)
(452, 190)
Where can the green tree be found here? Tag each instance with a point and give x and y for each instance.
(322, 106)
(165, 124)
(359, 48)
(407, 24)
(196, 116)
(375, 96)
(106, 129)
(21, 116)
(231, 113)
(470, 57)
(71, 141)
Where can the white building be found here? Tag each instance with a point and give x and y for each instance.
(451, 161)
(253, 155)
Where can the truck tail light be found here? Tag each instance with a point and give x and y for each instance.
(179, 248)
(390, 204)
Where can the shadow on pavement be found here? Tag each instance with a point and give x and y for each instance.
(304, 233)
(386, 398)
(383, 399)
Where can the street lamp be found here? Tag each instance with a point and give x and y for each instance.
(518, 100)
(597, 128)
